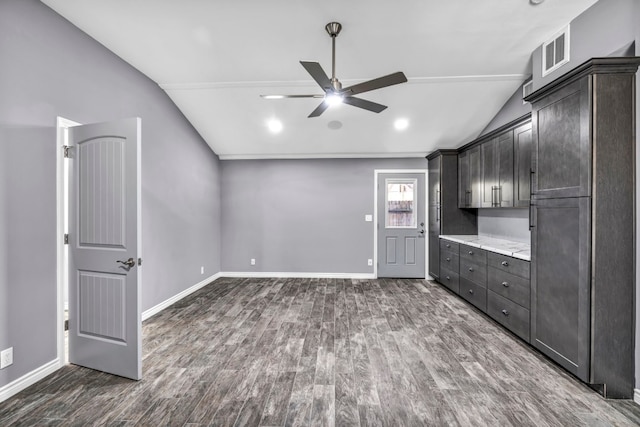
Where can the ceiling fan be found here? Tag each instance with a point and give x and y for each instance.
(333, 91)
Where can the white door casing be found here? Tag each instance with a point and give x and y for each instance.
(104, 247)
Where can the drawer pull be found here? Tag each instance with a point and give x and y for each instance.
(447, 245)
(505, 263)
(505, 284)
(471, 269)
(470, 252)
(505, 312)
(448, 259)
(448, 278)
(471, 291)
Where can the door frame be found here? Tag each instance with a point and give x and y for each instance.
(376, 175)
(62, 124)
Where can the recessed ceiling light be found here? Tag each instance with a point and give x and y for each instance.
(272, 96)
(332, 99)
(401, 124)
(274, 125)
(535, 2)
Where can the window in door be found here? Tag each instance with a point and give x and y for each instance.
(400, 203)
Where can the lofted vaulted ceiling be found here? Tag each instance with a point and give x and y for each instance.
(463, 60)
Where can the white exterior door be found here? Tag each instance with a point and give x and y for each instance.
(104, 247)
(401, 225)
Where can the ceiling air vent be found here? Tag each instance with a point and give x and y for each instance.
(555, 52)
(527, 88)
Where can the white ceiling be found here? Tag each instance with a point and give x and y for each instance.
(214, 58)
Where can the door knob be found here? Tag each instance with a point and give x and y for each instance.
(421, 231)
(128, 263)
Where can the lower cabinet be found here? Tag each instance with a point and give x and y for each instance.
(449, 265)
(496, 284)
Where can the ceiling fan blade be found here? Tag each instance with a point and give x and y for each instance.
(363, 103)
(318, 74)
(319, 109)
(380, 82)
(290, 96)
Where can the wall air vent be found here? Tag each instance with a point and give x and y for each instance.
(527, 88)
(555, 52)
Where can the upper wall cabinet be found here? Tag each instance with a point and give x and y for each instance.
(561, 164)
(522, 166)
(494, 172)
(497, 171)
(470, 178)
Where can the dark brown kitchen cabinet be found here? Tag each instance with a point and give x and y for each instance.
(522, 166)
(497, 171)
(582, 277)
(444, 215)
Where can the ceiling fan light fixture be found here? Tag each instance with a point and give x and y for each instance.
(401, 124)
(333, 99)
(274, 125)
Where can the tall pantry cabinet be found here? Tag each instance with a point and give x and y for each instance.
(582, 218)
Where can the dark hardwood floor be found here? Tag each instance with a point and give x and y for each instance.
(322, 352)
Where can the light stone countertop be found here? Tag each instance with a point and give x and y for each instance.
(502, 246)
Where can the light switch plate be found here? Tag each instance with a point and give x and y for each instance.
(369, 262)
(368, 218)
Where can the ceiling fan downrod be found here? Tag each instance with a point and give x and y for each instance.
(334, 28)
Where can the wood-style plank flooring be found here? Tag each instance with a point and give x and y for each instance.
(322, 352)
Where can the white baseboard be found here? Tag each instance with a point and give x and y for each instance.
(28, 379)
(636, 396)
(296, 275)
(177, 297)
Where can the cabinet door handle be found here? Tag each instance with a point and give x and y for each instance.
(438, 213)
(448, 278)
(505, 284)
(505, 312)
(470, 252)
(471, 291)
(448, 259)
(505, 263)
(471, 269)
(447, 245)
(531, 172)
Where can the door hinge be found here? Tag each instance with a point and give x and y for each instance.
(139, 261)
(66, 149)
(66, 239)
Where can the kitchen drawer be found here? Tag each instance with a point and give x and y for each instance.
(475, 294)
(510, 286)
(471, 253)
(511, 265)
(450, 261)
(509, 314)
(474, 271)
(449, 279)
(449, 246)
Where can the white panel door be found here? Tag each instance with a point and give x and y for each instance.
(401, 225)
(104, 247)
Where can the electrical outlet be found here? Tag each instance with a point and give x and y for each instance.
(202, 270)
(369, 262)
(6, 358)
(368, 218)
(253, 261)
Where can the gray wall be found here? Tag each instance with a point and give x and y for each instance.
(50, 68)
(513, 109)
(511, 224)
(636, 17)
(606, 27)
(301, 215)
